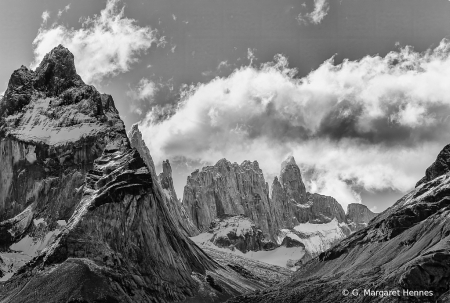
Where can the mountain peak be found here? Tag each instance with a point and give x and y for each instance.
(440, 167)
(167, 169)
(291, 180)
(57, 72)
(289, 161)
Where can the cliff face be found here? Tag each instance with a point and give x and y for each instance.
(164, 184)
(230, 189)
(174, 205)
(291, 217)
(405, 248)
(439, 167)
(291, 181)
(358, 215)
(85, 218)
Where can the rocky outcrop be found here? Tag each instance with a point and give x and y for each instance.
(290, 218)
(230, 189)
(136, 141)
(297, 206)
(175, 206)
(85, 207)
(358, 216)
(440, 167)
(165, 183)
(291, 181)
(405, 249)
(234, 233)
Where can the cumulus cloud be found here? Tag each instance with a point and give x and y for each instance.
(106, 44)
(144, 91)
(321, 8)
(375, 123)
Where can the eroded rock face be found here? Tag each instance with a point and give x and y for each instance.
(164, 184)
(404, 248)
(230, 189)
(175, 206)
(291, 181)
(234, 233)
(86, 207)
(358, 215)
(315, 222)
(440, 167)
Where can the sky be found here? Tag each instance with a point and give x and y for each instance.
(356, 90)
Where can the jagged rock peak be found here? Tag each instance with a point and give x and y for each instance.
(440, 167)
(57, 72)
(289, 161)
(60, 59)
(137, 142)
(291, 180)
(19, 90)
(165, 178)
(231, 189)
(167, 169)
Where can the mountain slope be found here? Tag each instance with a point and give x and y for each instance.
(164, 184)
(84, 217)
(405, 248)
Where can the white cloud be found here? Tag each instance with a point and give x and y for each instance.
(173, 49)
(145, 90)
(251, 55)
(66, 8)
(375, 123)
(105, 45)
(321, 8)
(223, 64)
(174, 17)
(45, 16)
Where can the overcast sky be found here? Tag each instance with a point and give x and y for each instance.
(357, 90)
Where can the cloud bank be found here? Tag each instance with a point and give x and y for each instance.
(106, 44)
(374, 123)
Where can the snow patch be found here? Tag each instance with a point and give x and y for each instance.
(32, 246)
(279, 256)
(61, 222)
(39, 221)
(36, 125)
(31, 154)
(316, 237)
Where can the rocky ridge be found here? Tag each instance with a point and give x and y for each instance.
(358, 216)
(83, 209)
(405, 248)
(165, 183)
(228, 189)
